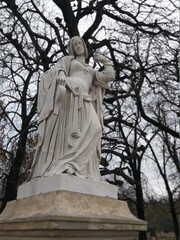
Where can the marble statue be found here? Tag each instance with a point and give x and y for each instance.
(70, 115)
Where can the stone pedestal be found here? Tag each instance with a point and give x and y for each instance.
(67, 183)
(68, 208)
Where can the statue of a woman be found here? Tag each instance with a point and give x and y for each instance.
(70, 116)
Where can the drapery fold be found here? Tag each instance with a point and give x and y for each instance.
(70, 125)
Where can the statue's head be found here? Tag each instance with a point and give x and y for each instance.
(71, 46)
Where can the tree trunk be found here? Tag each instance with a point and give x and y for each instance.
(12, 179)
(140, 207)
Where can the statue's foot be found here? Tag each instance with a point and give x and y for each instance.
(70, 171)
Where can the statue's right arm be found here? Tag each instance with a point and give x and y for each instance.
(61, 78)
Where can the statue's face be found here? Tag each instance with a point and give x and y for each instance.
(78, 47)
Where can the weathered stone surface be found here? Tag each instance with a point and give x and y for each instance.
(70, 115)
(67, 183)
(68, 215)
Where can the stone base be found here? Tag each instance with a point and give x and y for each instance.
(67, 183)
(66, 216)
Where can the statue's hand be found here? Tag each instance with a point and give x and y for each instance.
(99, 58)
(61, 79)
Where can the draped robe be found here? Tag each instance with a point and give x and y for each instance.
(70, 122)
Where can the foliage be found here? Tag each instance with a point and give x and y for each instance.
(158, 215)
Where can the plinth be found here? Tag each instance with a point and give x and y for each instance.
(68, 215)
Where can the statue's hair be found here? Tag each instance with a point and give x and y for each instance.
(71, 50)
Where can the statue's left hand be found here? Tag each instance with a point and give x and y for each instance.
(99, 58)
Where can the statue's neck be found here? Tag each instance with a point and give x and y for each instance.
(81, 59)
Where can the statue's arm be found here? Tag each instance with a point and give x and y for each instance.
(102, 78)
(52, 88)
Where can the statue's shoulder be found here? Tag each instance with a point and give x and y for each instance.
(63, 63)
(66, 58)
